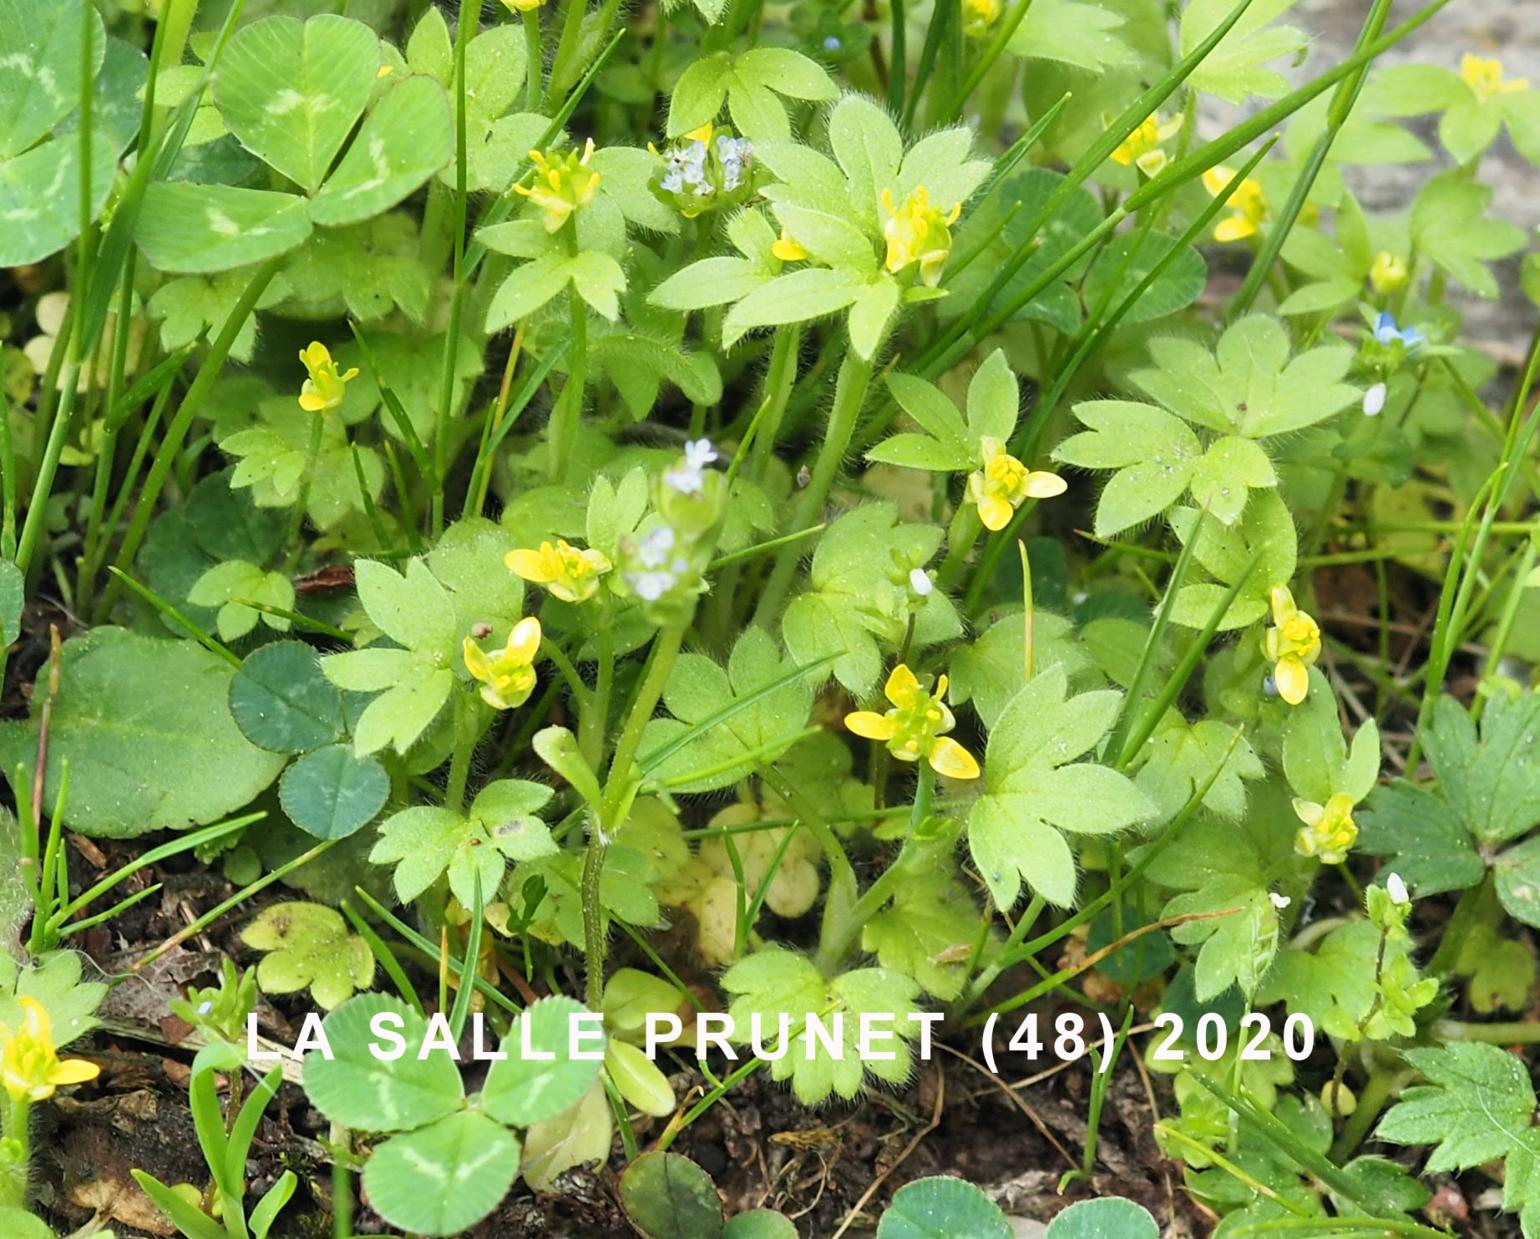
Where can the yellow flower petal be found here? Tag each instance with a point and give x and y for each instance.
(524, 640)
(1308, 811)
(950, 759)
(529, 565)
(1292, 679)
(476, 660)
(870, 724)
(994, 512)
(902, 686)
(1044, 485)
(73, 1071)
(1235, 228)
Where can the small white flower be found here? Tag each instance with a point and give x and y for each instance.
(656, 546)
(1278, 901)
(205, 1007)
(1374, 400)
(650, 586)
(920, 582)
(685, 481)
(1396, 889)
(698, 453)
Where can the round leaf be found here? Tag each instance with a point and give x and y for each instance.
(669, 1197)
(333, 792)
(522, 1089)
(443, 1179)
(282, 702)
(1109, 1218)
(760, 1224)
(942, 1208)
(149, 740)
(357, 1089)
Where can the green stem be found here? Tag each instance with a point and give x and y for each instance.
(465, 744)
(297, 518)
(849, 394)
(535, 59)
(831, 953)
(17, 1154)
(567, 419)
(660, 664)
(469, 15)
(187, 411)
(1004, 957)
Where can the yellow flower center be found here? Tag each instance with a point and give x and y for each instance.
(915, 727)
(325, 388)
(979, 17)
(507, 676)
(1328, 831)
(1485, 78)
(917, 232)
(1247, 206)
(1142, 146)
(30, 1066)
(563, 183)
(566, 571)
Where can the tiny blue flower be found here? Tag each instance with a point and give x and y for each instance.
(1386, 331)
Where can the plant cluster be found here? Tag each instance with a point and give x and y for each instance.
(721, 507)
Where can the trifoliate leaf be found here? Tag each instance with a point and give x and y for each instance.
(291, 91)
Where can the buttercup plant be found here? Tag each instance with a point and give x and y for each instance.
(818, 545)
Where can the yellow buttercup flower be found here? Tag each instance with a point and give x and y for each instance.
(563, 183)
(1247, 205)
(522, 6)
(1142, 147)
(917, 232)
(979, 17)
(507, 675)
(29, 1061)
(1329, 829)
(916, 726)
(1004, 484)
(1485, 78)
(787, 248)
(1388, 273)
(1292, 645)
(325, 387)
(566, 572)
